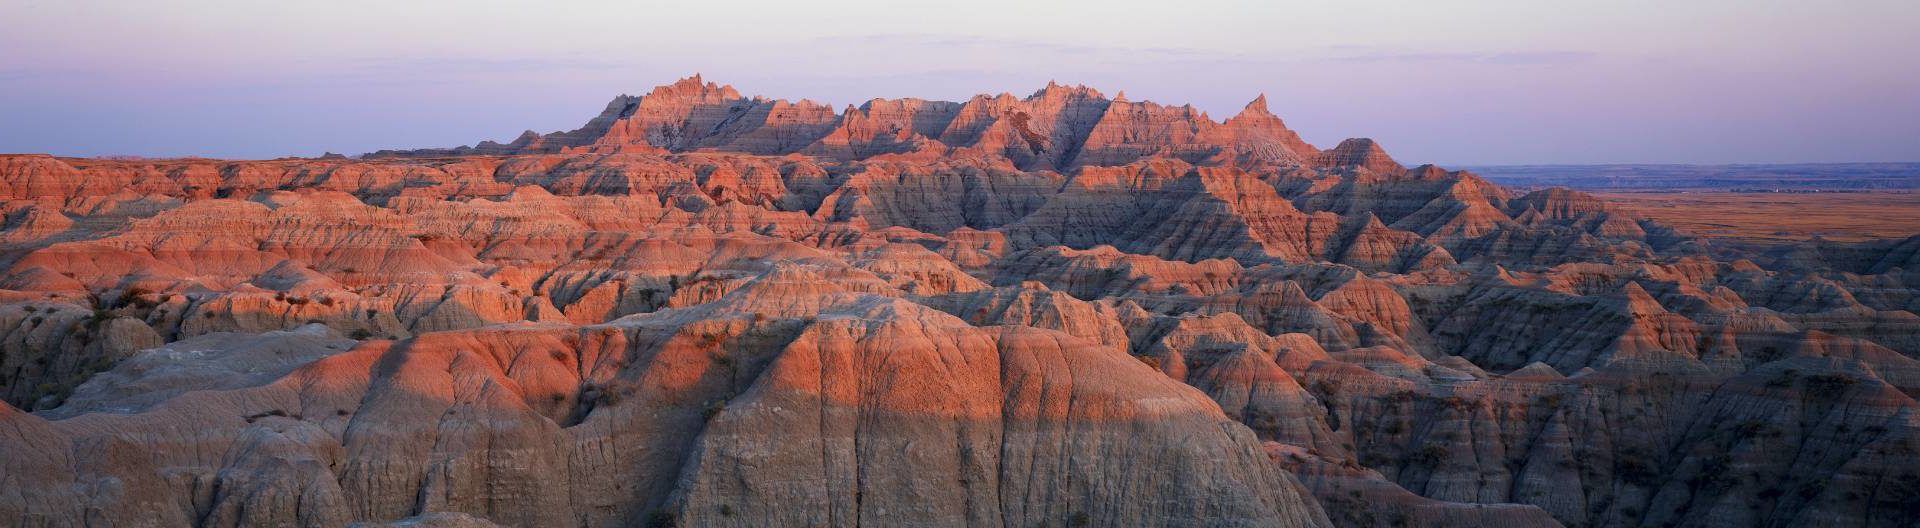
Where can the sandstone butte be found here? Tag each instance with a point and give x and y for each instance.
(1065, 309)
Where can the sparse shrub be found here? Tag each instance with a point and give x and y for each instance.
(1784, 380)
(101, 315)
(1714, 475)
(361, 334)
(1325, 388)
(135, 296)
(1828, 386)
(1636, 468)
(661, 518)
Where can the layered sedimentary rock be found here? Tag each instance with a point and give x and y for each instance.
(1056, 128)
(706, 309)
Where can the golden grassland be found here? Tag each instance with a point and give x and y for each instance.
(1780, 217)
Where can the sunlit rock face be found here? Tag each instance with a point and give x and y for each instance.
(1065, 309)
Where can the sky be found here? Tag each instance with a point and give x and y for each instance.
(1465, 82)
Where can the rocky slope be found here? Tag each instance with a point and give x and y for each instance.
(1065, 309)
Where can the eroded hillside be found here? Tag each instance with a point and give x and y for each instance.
(702, 309)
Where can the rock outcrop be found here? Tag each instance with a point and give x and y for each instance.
(1068, 309)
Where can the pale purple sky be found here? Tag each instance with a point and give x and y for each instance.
(1459, 82)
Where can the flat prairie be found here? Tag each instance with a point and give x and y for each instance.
(1781, 217)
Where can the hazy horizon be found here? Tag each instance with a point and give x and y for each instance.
(1479, 83)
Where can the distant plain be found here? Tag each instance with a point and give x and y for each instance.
(1761, 204)
(1780, 217)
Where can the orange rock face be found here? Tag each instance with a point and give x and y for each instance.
(705, 309)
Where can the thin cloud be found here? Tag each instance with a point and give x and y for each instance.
(1538, 57)
(460, 65)
(971, 42)
(1508, 58)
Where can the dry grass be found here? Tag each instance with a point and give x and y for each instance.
(1779, 217)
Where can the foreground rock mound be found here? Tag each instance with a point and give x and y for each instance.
(768, 406)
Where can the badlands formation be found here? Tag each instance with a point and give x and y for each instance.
(1066, 309)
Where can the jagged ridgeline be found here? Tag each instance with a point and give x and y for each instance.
(702, 309)
(1056, 128)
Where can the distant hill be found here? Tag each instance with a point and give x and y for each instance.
(1796, 177)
